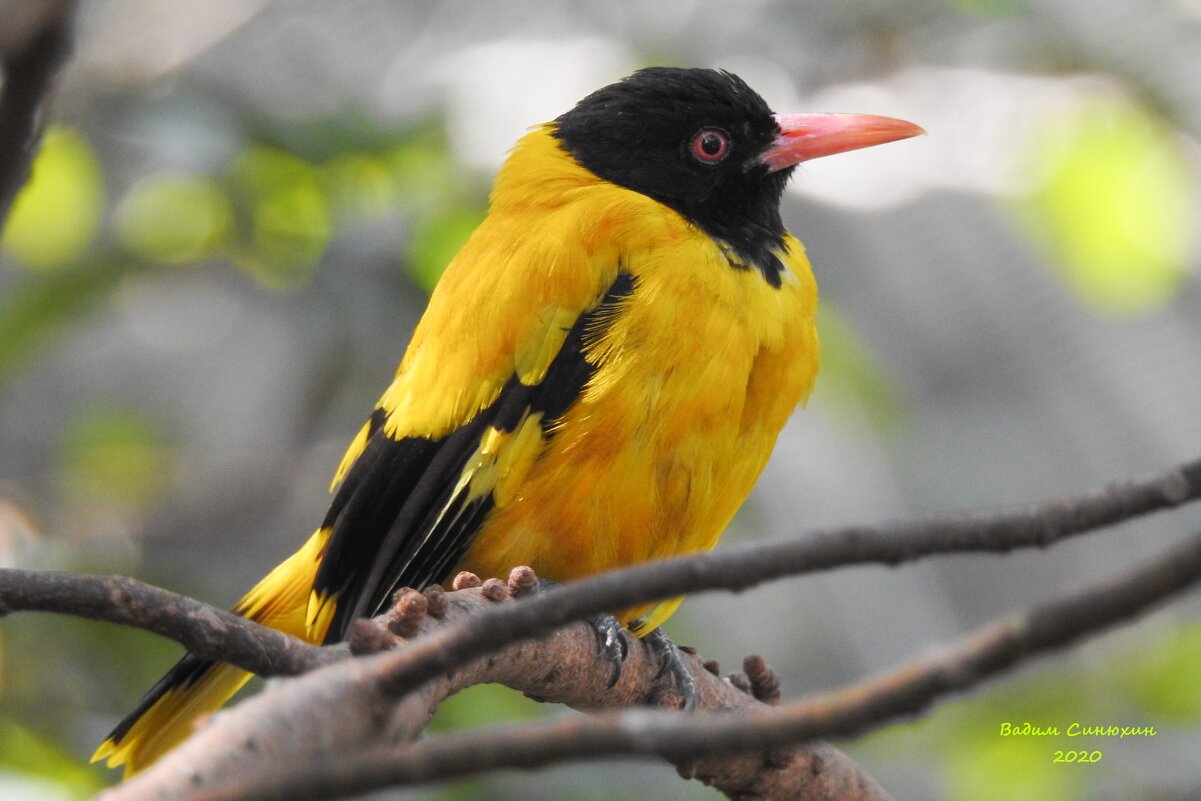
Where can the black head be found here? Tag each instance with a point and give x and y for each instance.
(692, 140)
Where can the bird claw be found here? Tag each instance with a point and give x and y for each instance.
(612, 644)
(670, 661)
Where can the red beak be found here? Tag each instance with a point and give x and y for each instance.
(810, 136)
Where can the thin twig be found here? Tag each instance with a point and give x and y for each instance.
(849, 711)
(204, 630)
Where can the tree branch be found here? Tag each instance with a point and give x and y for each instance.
(204, 630)
(269, 653)
(743, 567)
(677, 737)
(35, 41)
(341, 709)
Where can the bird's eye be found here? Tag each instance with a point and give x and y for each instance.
(710, 145)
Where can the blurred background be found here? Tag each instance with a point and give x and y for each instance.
(241, 205)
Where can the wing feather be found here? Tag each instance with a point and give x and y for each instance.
(407, 509)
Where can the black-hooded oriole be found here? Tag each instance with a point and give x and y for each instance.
(598, 380)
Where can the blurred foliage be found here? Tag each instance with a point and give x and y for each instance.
(175, 219)
(1002, 769)
(1146, 681)
(42, 304)
(46, 722)
(289, 220)
(426, 175)
(57, 213)
(446, 206)
(360, 187)
(22, 752)
(436, 243)
(1163, 680)
(1115, 213)
(274, 214)
(852, 381)
(291, 209)
(991, 8)
(112, 457)
(485, 704)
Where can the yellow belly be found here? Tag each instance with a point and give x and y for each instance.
(659, 453)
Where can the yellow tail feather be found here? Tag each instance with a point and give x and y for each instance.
(171, 719)
(196, 688)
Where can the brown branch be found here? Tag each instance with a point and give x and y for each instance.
(35, 41)
(204, 630)
(648, 732)
(341, 709)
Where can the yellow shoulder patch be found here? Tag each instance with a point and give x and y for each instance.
(500, 463)
(513, 463)
(535, 359)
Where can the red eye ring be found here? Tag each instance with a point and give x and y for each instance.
(710, 145)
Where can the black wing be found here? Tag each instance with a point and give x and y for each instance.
(400, 518)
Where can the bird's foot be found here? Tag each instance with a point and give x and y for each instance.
(612, 644)
(671, 661)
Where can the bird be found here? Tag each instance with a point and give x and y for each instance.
(597, 381)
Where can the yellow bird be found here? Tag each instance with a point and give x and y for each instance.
(598, 380)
